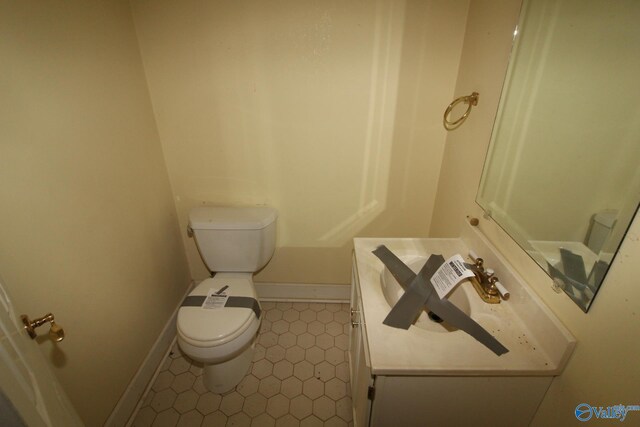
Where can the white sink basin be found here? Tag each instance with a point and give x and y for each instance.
(393, 291)
(538, 343)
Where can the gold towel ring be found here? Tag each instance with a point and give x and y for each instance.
(472, 100)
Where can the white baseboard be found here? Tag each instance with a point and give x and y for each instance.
(304, 292)
(143, 379)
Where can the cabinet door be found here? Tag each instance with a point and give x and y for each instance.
(359, 364)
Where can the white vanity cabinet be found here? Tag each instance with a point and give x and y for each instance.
(421, 378)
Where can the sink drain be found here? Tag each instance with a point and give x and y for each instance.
(434, 317)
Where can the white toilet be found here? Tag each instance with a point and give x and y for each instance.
(234, 243)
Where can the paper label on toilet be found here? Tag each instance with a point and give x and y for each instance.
(214, 300)
(449, 275)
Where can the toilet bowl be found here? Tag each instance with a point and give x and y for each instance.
(219, 321)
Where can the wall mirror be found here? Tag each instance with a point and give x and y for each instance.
(562, 174)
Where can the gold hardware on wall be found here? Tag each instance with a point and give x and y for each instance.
(471, 100)
(56, 332)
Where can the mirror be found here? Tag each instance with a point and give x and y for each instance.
(561, 175)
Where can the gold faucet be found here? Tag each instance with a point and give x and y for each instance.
(486, 283)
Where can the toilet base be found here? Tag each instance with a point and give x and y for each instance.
(222, 377)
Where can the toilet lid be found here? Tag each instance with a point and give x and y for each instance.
(209, 327)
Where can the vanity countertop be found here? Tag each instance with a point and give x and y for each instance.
(539, 345)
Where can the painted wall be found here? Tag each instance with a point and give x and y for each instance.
(88, 227)
(603, 370)
(329, 111)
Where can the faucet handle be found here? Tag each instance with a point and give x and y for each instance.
(474, 256)
(501, 289)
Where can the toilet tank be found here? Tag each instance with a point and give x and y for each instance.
(234, 239)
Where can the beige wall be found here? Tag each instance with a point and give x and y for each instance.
(485, 56)
(603, 370)
(88, 227)
(329, 111)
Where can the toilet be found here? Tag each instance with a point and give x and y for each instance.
(218, 322)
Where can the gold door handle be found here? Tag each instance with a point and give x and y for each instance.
(56, 332)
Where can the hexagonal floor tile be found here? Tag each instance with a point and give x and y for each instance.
(268, 339)
(275, 353)
(314, 355)
(324, 316)
(287, 340)
(316, 306)
(335, 389)
(324, 341)
(334, 355)
(280, 326)
(248, 385)
(312, 421)
(167, 418)
(308, 316)
(183, 382)
(301, 407)
(336, 421)
(306, 340)
(291, 387)
(163, 381)
(215, 419)
(315, 328)
(324, 371)
(163, 400)
(273, 315)
(208, 403)
(324, 408)
(179, 365)
(254, 405)
(186, 401)
(298, 327)
(303, 370)
(263, 420)
(287, 420)
(300, 306)
(190, 419)
(231, 403)
(277, 406)
(283, 369)
(291, 315)
(313, 388)
(269, 386)
(262, 369)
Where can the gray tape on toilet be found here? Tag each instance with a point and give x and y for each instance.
(242, 302)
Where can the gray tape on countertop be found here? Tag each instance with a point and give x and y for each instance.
(407, 309)
(420, 290)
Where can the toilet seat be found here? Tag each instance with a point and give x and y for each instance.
(213, 335)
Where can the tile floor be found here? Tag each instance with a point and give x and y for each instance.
(299, 377)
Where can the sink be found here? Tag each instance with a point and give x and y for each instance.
(460, 297)
(539, 345)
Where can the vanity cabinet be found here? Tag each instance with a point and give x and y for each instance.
(409, 398)
(359, 363)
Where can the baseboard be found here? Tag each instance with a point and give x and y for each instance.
(132, 397)
(303, 292)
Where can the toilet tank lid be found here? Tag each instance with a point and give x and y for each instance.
(231, 218)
